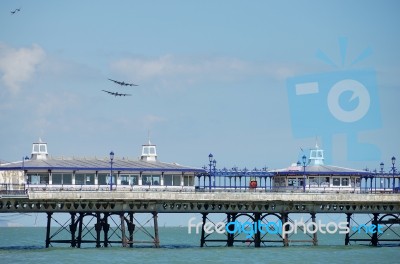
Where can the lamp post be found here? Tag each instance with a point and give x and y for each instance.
(214, 165)
(393, 170)
(111, 174)
(304, 172)
(382, 165)
(210, 159)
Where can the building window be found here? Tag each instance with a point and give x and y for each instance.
(293, 182)
(188, 180)
(151, 180)
(336, 181)
(279, 181)
(84, 179)
(172, 180)
(79, 179)
(38, 178)
(124, 179)
(102, 179)
(57, 178)
(345, 181)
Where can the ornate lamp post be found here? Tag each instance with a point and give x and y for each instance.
(382, 165)
(393, 169)
(111, 174)
(210, 159)
(304, 172)
(214, 165)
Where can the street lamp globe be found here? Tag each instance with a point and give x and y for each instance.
(210, 157)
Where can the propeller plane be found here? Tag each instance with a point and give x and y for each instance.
(116, 93)
(15, 11)
(123, 83)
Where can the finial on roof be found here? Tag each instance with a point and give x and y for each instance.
(148, 136)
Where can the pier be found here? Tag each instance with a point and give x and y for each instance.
(105, 197)
(100, 205)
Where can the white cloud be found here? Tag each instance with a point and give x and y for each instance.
(17, 66)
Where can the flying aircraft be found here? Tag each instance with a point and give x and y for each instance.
(16, 10)
(116, 93)
(123, 83)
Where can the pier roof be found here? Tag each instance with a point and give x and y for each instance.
(316, 166)
(95, 164)
(320, 170)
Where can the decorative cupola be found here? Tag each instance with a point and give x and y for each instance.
(149, 152)
(39, 150)
(316, 156)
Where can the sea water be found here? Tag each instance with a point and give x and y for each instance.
(27, 245)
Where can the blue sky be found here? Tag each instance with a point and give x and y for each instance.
(212, 77)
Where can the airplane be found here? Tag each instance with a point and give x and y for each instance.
(16, 10)
(123, 83)
(116, 93)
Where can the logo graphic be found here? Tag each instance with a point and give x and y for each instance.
(283, 229)
(338, 102)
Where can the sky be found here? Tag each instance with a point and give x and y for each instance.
(223, 77)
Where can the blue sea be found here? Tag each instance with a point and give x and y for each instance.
(27, 245)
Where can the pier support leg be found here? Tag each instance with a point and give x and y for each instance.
(106, 228)
(131, 229)
(72, 228)
(315, 236)
(284, 219)
(347, 238)
(203, 239)
(48, 229)
(230, 237)
(124, 242)
(374, 237)
(156, 237)
(80, 220)
(98, 228)
(257, 235)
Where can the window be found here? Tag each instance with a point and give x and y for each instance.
(151, 179)
(188, 180)
(124, 179)
(103, 179)
(172, 180)
(79, 179)
(336, 181)
(38, 178)
(129, 179)
(292, 182)
(67, 178)
(279, 181)
(168, 180)
(42, 148)
(152, 150)
(57, 178)
(345, 181)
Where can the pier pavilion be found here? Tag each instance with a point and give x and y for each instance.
(42, 171)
